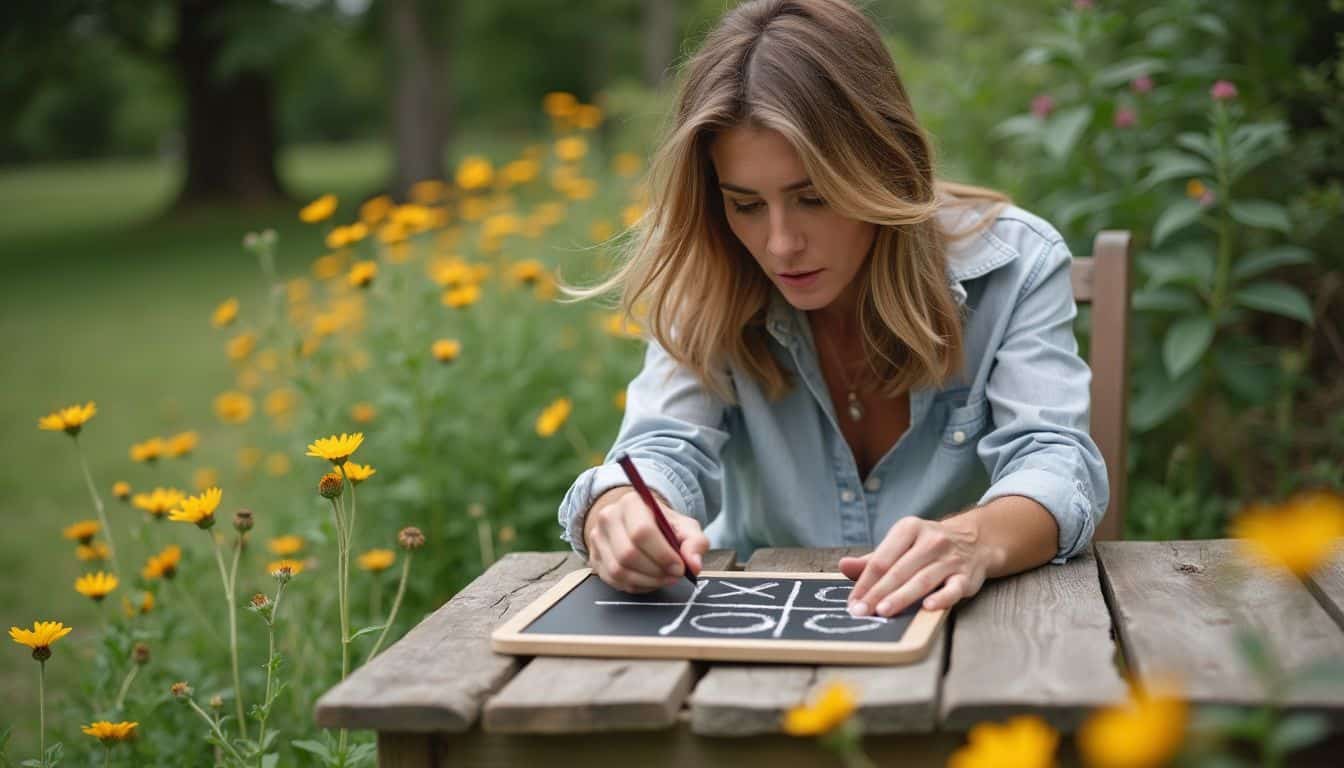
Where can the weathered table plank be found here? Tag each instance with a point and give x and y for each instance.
(1328, 586)
(1038, 642)
(436, 677)
(1178, 606)
(576, 695)
(740, 700)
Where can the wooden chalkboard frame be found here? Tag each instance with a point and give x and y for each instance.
(913, 645)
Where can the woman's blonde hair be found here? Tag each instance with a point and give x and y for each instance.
(817, 72)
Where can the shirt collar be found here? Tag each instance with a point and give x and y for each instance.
(967, 258)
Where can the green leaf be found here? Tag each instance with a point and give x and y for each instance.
(1018, 127)
(1166, 298)
(317, 748)
(1063, 130)
(1297, 731)
(1176, 217)
(1260, 213)
(1275, 297)
(365, 631)
(1256, 653)
(1083, 206)
(1245, 376)
(1169, 164)
(270, 761)
(1261, 261)
(1124, 71)
(1192, 264)
(1186, 342)
(1161, 397)
(1200, 144)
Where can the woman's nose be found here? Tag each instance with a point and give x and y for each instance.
(785, 239)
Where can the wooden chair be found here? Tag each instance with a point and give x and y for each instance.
(1102, 280)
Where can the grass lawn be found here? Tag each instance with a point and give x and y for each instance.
(105, 300)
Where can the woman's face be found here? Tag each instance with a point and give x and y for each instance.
(810, 252)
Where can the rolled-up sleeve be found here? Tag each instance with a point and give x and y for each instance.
(1039, 392)
(673, 432)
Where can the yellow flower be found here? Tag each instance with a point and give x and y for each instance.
(617, 324)
(320, 209)
(40, 637)
(280, 403)
(375, 209)
(626, 164)
(198, 509)
(500, 225)
(328, 266)
(376, 560)
(295, 566)
(93, 552)
(1025, 741)
(474, 172)
(1144, 732)
(554, 416)
(83, 531)
(446, 350)
(527, 271)
(571, 149)
(1195, 188)
(601, 230)
(452, 273)
(108, 733)
(521, 171)
(336, 449)
(145, 605)
(1300, 534)
(158, 501)
(581, 189)
(358, 473)
(465, 296)
(363, 413)
(833, 707)
(204, 477)
(507, 534)
(163, 565)
(241, 346)
(233, 407)
(631, 214)
(587, 117)
(428, 191)
(277, 465)
(361, 275)
(249, 456)
(182, 443)
(286, 545)
(559, 104)
(619, 400)
(225, 313)
(122, 490)
(150, 450)
(69, 419)
(96, 585)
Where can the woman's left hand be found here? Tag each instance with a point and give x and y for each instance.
(915, 557)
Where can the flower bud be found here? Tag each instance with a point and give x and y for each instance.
(41, 653)
(140, 654)
(216, 702)
(283, 574)
(330, 486)
(476, 510)
(242, 522)
(411, 538)
(180, 690)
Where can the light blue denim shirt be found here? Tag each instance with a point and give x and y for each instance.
(1014, 421)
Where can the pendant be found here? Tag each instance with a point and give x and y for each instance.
(855, 410)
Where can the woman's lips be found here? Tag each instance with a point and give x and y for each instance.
(799, 279)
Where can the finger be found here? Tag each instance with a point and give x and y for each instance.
(897, 541)
(627, 555)
(694, 542)
(955, 589)
(852, 567)
(643, 532)
(916, 587)
(906, 566)
(611, 572)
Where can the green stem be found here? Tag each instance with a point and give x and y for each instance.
(107, 755)
(228, 578)
(270, 656)
(42, 711)
(214, 728)
(342, 553)
(98, 506)
(578, 441)
(396, 603)
(126, 686)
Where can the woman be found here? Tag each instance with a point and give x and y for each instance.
(844, 351)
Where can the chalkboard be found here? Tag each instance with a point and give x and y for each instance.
(726, 615)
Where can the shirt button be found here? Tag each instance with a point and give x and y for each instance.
(873, 483)
(846, 495)
(958, 437)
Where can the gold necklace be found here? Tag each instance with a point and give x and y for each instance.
(855, 408)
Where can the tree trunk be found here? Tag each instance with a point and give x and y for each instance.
(416, 43)
(230, 122)
(660, 40)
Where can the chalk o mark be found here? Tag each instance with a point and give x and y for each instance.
(765, 623)
(823, 594)
(821, 623)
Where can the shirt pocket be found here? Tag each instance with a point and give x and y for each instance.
(965, 423)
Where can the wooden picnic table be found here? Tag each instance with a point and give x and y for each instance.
(1055, 641)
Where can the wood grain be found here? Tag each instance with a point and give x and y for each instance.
(436, 677)
(1179, 606)
(573, 695)
(740, 700)
(1038, 642)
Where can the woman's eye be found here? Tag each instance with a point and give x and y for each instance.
(748, 208)
(811, 201)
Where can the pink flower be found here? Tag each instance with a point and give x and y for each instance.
(1042, 105)
(1223, 90)
(1206, 199)
(1141, 84)
(1125, 117)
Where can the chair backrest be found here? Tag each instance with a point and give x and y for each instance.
(1103, 281)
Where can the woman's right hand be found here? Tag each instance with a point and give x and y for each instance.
(626, 549)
